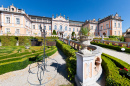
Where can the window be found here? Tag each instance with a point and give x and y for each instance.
(60, 27)
(118, 25)
(96, 27)
(101, 27)
(55, 27)
(7, 30)
(73, 29)
(115, 25)
(17, 21)
(7, 19)
(49, 27)
(69, 29)
(49, 34)
(66, 28)
(118, 32)
(77, 30)
(12, 9)
(91, 27)
(45, 27)
(33, 26)
(106, 26)
(17, 31)
(115, 32)
(39, 26)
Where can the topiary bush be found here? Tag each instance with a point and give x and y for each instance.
(54, 32)
(113, 78)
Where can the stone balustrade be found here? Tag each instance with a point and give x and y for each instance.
(113, 42)
(76, 44)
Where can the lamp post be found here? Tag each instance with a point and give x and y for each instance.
(43, 33)
(42, 67)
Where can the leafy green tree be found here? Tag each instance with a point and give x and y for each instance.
(73, 33)
(85, 31)
(54, 32)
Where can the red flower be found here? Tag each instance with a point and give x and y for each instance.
(126, 69)
(120, 69)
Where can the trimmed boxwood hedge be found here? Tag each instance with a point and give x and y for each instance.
(118, 62)
(113, 78)
(118, 48)
(71, 58)
(18, 64)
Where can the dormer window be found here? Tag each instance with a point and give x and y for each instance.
(12, 9)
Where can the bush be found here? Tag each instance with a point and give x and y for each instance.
(22, 61)
(8, 40)
(73, 33)
(119, 63)
(71, 58)
(33, 51)
(54, 32)
(113, 78)
(118, 48)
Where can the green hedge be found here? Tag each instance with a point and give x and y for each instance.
(18, 64)
(118, 48)
(71, 58)
(118, 62)
(12, 40)
(113, 78)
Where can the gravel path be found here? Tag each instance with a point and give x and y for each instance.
(21, 77)
(120, 55)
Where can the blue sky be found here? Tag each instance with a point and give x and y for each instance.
(79, 10)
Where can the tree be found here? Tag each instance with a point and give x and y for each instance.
(73, 33)
(54, 32)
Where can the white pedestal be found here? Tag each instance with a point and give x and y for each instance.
(88, 68)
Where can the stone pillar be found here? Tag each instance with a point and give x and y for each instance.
(89, 67)
(17, 44)
(69, 39)
(102, 38)
(0, 44)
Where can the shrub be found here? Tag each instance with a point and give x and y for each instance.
(22, 61)
(33, 51)
(71, 58)
(118, 62)
(73, 33)
(118, 48)
(113, 78)
(54, 32)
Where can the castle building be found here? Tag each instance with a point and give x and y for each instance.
(16, 22)
(111, 25)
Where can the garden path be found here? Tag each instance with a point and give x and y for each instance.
(120, 55)
(19, 77)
